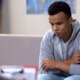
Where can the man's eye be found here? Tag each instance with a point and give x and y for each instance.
(52, 24)
(59, 23)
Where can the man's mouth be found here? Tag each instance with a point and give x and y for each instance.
(57, 33)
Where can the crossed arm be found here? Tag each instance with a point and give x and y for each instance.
(63, 66)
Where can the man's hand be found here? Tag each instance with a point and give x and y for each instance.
(53, 64)
(75, 59)
(49, 64)
(63, 66)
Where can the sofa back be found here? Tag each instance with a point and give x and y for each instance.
(19, 50)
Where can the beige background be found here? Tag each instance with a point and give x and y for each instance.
(16, 21)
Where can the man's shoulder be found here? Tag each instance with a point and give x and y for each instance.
(48, 34)
(76, 23)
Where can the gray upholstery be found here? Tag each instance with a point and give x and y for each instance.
(19, 50)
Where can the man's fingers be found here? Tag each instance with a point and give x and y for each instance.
(77, 62)
(43, 65)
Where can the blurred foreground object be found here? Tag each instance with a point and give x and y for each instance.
(18, 73)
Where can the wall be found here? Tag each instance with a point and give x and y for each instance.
(21, 23)
(6, 17)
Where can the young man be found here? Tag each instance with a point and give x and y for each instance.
(60, 47)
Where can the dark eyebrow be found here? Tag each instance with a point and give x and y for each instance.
(59, 23)
(56, 23)
(51, 23)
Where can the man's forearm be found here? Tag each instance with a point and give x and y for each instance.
(68, 61)
(53, 64)
(63, 66)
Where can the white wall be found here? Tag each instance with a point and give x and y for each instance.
(21, 23)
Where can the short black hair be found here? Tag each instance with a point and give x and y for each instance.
(59, 6)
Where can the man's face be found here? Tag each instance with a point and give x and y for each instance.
(60, 24)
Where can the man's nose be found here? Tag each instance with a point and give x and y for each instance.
(55, 28)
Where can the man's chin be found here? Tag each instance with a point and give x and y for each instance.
(60, 36)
